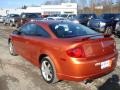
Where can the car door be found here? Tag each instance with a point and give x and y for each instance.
(36, 42)
(21, 41)
(30, 41)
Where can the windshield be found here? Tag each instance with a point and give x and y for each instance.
(82, 16)
(69, 29)
(107, 16)
(64, 15)
(32, 15)
(14, 15)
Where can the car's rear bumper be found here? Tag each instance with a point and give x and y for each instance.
(88, 77)
(87, 70)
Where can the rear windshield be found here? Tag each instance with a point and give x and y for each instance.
(69, 29)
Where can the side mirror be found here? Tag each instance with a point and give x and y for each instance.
(16, 32)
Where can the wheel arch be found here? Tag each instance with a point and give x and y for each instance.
(9, 39)
(42, 56)
(53, 60)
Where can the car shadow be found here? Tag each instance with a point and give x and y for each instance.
(111, 83)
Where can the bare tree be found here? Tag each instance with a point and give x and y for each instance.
(51, 2)
(62, 1)
(24, 7)
(48, 3)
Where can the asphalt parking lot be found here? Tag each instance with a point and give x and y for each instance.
(19, 74)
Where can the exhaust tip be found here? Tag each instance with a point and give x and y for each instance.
(88, 81)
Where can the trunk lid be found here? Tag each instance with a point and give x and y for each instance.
(95, 45)
(99, 47)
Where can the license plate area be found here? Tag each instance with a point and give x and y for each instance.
(105, 64)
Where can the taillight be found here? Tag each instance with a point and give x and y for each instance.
(76, 52)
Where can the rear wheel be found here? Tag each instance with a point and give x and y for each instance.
(11, 49)
(48, 71)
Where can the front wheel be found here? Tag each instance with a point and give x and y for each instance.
(5, 23)
(11, 49)
(11, 24)
(48, 70)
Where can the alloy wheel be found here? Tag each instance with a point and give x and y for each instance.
(47, 70)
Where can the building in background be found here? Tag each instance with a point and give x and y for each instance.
(6, 11)
(64, 8)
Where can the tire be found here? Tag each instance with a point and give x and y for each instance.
(11, 49)
(16, 25)
(48, 71)
(108, 30)
(5, 23)
(11, 24)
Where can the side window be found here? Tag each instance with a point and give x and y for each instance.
(41, 32)
(24, 30)
(33, 30)
(27, 29)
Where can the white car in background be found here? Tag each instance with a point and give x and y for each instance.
(55, 18)
(2, 19)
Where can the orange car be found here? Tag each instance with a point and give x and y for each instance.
(64, 50)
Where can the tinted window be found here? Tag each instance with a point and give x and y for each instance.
(27, 30)
(39, 31)
(14, 15)
(50, 18)
(108, 16)
(67, 30)
(30, 15)
(82, 16)
(34, 30)
(64, 15)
